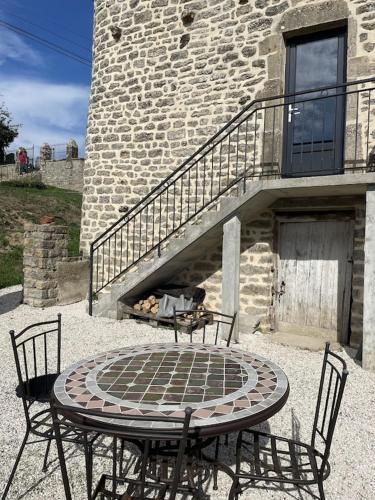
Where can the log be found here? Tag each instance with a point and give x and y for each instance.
(155, 309)
(137, 307)
(146, 306)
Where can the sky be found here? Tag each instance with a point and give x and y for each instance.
(46, 92)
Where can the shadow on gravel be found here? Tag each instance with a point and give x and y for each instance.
(10, 301)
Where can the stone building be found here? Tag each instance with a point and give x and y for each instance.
(234, 173)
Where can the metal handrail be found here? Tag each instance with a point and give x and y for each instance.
(193, 161)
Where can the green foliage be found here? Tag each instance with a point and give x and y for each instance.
(28, 203)
(8, 131)
(11, 267)
(25, 183)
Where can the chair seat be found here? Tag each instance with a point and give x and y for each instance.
(37, 388)
(272, 458)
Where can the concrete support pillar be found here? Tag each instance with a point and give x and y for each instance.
(368, 353)
(231, 272)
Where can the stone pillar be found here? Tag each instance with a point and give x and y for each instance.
(44, 246)
(231, 272)
(72, 150)
(368, 352)
(45, 153)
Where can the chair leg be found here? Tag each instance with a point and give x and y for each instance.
(121, 461)
(15, 465)
(215, 469)
(88, 463)
(233, 493)
(321, 490)
(45, 462)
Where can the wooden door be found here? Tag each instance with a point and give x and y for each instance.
(314, 277)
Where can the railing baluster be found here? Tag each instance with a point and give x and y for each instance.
(140, 235)
(167, 213)
(103, 265)
(228, 171)
(237, 148)
(121, 253)
(220, 161)
(181, 198)
(368, 127)
(302, 137)
(273, 140)
(323, 134)
(264, 161)
(133, 250)
(204, 179)
(114, 265)
(245, 167)
(212, 172)
(188, 196)
(264, 140)
(146, 228)
(127, 245)
(153, 222)
(255, 139)
(159, 223)
(356, 134)
(109, 258)
(196, 187)
(174, 205)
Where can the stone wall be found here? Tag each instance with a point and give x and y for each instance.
(258, 261)
(65, 174)
(44, 246)
(50, 276)
(168, 74)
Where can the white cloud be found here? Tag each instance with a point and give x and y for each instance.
(12, 47)
(49, 112)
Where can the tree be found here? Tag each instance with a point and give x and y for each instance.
(8, 131)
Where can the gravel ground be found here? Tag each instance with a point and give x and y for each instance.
(353, 451)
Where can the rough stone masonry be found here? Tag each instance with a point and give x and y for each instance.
(176, 71)
(167, 75)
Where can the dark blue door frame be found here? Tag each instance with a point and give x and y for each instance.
(314, 122)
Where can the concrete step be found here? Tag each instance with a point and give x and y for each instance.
(306, 342)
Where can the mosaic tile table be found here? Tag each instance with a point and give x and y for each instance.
(227, 388)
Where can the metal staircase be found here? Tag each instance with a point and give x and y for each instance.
(249, 148)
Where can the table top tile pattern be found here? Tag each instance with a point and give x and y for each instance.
(221, 384)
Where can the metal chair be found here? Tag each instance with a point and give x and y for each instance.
(36, 376)
(200, 318)
(80, 420)
(37, 354)
(276, 459)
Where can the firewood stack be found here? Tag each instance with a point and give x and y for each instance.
(149, 305)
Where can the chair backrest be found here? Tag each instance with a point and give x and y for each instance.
(37, 353)
(332, 383)
(120, 427)
(194, 322)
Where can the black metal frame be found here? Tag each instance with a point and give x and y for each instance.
(36, 376)
(208, 317)
(246, 148)
(35, 382)
(305, 463)
(290, 74)
(68, 419)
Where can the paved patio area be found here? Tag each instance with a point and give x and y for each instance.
(353, 451)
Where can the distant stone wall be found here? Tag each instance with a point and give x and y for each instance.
(50, 276)
(65, 174)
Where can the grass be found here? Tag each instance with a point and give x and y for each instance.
(22, 202)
